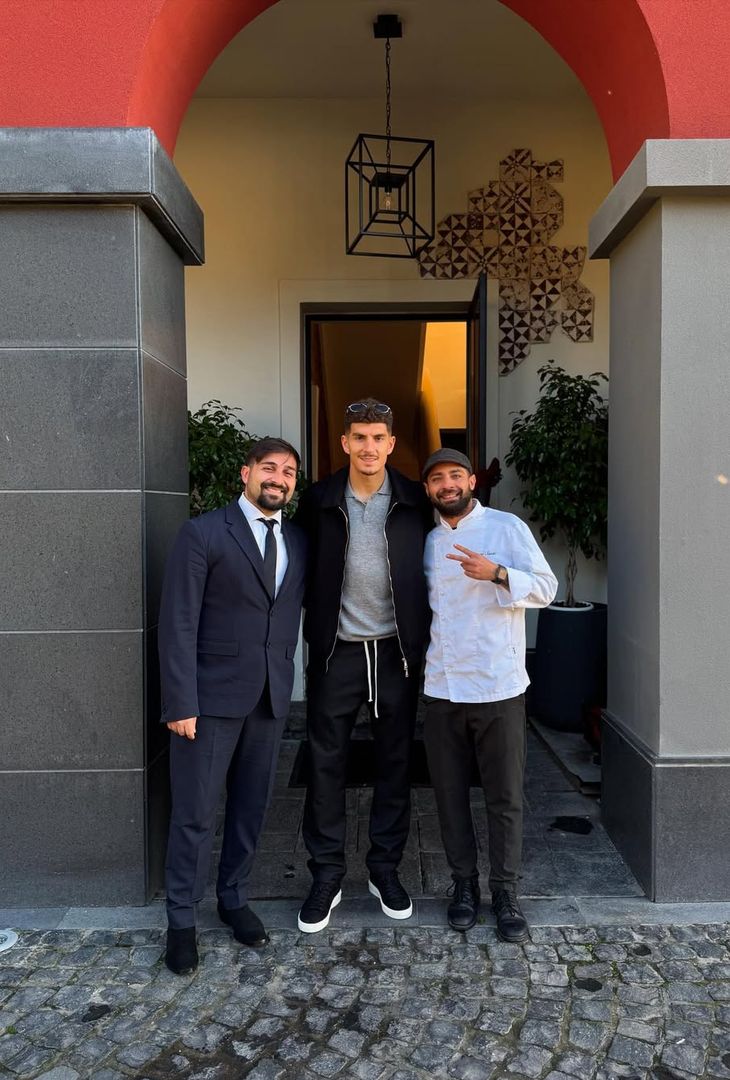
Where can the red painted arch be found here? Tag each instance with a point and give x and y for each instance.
(653, 68)
(606, 42)
(185, 39)
(609, 46)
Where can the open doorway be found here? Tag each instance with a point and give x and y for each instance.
(415, 365)
(428, 364)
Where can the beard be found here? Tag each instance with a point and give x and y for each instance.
(454, 507)
(271, 498)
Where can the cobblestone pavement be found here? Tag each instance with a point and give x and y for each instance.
(371, 1004)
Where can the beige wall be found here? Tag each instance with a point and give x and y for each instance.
(269, 177)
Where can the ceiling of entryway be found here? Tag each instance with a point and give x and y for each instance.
(451, 49)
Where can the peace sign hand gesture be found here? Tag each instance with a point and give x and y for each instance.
(474, 565)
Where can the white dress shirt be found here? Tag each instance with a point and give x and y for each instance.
(477, 649)
(259, 530)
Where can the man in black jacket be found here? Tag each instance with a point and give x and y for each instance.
(228, 629)
(366, 625)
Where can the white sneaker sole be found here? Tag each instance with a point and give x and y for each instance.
(392, 913)
(315, 927)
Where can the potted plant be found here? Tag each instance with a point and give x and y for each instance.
(217, 446)
(218, 442)
(560, 453)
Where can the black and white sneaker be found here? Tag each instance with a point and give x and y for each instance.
(317, 908)
(394, 900)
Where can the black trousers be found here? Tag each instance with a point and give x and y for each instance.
(494, 733)
(242, 754)
(333, 702)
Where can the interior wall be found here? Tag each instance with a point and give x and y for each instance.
(444, 362)
(383, 360)
(269, 176)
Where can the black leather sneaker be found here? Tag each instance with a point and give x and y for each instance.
(246, 925)
(464, 907)
(394, 900)
(511, 923)
(317, 908)
(181, 954)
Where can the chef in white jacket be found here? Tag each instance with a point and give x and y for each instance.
(483, 568)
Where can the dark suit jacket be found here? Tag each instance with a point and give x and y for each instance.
(220, 636)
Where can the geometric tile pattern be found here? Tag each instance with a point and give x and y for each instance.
(506, 231)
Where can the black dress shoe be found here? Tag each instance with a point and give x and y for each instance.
(511, 923)
(246, 925)
(464, 907)
(181, 954)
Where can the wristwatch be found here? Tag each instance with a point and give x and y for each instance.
(500, 575)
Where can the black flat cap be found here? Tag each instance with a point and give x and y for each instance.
(453, 457)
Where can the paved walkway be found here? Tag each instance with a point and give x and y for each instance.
(558, 861)
(608, 986)
(371, 1004)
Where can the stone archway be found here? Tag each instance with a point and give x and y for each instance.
(653, 69)
(641, 66)
(610, 48)
(105, 341)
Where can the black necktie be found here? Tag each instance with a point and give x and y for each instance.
(270, 557)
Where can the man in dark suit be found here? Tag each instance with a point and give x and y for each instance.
(229, 624)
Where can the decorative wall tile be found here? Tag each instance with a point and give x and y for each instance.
(506, 232)
(544, 197)
(514, 337)
(544, 294)
(515, 295)
(516, 166)
(573, 260)
(514, 262)
(546, 261)
(490, 261)
(576, 319)
(542, 325)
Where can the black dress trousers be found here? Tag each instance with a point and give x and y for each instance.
(333, 702)
(494, 733)
(242, 754)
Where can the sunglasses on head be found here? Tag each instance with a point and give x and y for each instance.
(359, 407)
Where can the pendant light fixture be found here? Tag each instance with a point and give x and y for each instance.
(389, 182)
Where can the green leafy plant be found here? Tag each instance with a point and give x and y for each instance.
(218, 442)
(217, 446)
(560, 453)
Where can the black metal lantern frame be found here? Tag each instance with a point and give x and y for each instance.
(389, 182)
(389, 204)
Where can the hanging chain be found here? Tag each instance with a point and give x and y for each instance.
(387, 104)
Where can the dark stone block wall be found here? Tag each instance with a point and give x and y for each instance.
(93, 487)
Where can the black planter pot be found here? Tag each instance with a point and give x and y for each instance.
(569, 666)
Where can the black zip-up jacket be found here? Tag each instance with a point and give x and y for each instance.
(322, 513)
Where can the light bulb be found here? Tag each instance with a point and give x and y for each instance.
(388, 201)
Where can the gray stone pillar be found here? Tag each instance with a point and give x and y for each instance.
(666, 759)
(96, 227)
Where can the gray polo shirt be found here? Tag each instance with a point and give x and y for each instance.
(367, 599)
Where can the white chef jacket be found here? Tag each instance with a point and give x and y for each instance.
(477, 648)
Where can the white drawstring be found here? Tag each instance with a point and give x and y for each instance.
(375, 665)
(372, 675)
(370, 680)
